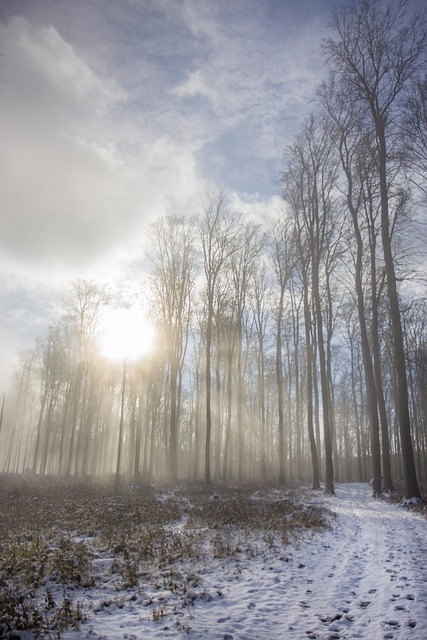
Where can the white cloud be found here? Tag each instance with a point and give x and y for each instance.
(255, 80)
(196, 85)
(202, 19)
(67, 200)
(256, 208)
(45, 79)
(61, 200)
(112, 114)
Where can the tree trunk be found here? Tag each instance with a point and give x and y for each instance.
(309, 384)
(402, 408)
(279, 381)
(208, 392)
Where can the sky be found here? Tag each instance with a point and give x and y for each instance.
(115, 113)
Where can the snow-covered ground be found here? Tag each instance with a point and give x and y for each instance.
(366, 578)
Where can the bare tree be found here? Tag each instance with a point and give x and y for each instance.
(281, 251)
(351, 141)
(218, 230)
(309, 181)
(172, 254)
(374, 56)
(243, 263)
(85, 302)
(18, 423)
(261, 313)
(415, 132)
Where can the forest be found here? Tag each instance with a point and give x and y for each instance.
(286, 348)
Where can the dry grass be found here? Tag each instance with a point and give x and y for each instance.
(54, 536)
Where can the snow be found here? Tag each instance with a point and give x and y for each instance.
(365, 577)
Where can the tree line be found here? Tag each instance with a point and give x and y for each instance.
(293, 348)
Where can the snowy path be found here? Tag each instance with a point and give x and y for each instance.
(365, 578)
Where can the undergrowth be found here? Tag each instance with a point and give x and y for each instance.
(60, 539)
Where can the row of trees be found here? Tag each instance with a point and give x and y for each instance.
(292, 349)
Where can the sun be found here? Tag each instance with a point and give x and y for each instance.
(126, 334)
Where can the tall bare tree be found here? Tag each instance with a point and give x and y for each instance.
(309, 181)
(172, 254)
(218, 229)
(281, 251)
(376, 53)
(243, 263)
(85, 301)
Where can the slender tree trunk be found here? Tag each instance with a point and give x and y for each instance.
(218, 444)
(173, 439)
(208, 392)
(279, 381)
(309, 400)
(371, 394)
(239, 412)
(385, 440)
(136, 465)
(402, 408)
(75, 410)
(2, 410)
(39, 429)
(329, 467)
(226, 458)
(261, 401)
(121, 425)
(48, 429)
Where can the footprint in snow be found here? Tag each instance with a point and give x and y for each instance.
(331, 619)
(393, 623)
(334, 627)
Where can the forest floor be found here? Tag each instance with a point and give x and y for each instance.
(238, 563)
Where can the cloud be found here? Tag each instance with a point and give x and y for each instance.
(44, 77)
(254, 81)
(254, 207)
(61, 200)
(115, 113)
(67, 194)
(196, 85)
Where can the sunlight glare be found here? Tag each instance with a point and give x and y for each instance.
(126, 334)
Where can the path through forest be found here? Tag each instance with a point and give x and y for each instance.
(366, 578)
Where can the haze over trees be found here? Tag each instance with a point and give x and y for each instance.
(295, 348)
